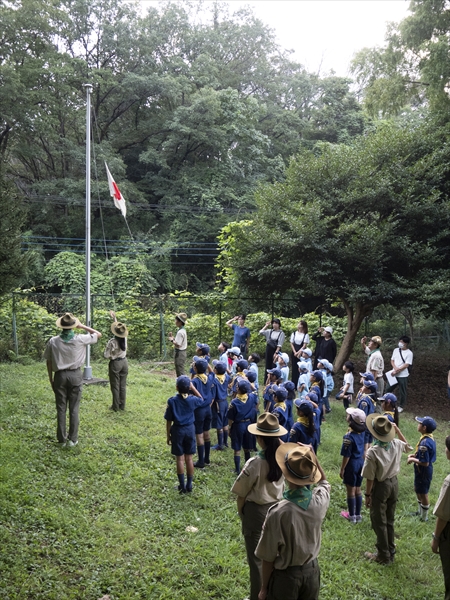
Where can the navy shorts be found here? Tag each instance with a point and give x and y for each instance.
(183, 439)
(422, 479)
(221, 414)
(202, 419)
(352, 474)
(240, 436)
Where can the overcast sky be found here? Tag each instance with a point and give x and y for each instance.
(325, 33)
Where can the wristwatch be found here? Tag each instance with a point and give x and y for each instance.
(434, 537)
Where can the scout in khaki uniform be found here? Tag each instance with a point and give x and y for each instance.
(381, 467)
(291, 536)
(441, 535)
(180, 343)
(259, 486)
(65, 354)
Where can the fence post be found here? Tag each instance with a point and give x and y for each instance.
(14, 325)
(92, 310)
(220, 322)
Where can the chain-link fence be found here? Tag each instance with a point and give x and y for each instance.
(27, 321)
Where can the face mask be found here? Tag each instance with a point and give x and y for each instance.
(401, 345)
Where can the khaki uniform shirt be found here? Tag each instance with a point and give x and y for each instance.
(181, 339)
(381, 464)
(442, 508)
(291, 536)
(375, 362)
(68, 355)
(113, 350)
(253, 485)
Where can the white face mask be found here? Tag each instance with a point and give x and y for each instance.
(401, 345)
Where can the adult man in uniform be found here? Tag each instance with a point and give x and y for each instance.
(375, 360)
(65, 354)
(180, 343)
(291, 535)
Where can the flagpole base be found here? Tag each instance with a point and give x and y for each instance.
(87, 373)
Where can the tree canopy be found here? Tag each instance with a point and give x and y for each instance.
(360, 225)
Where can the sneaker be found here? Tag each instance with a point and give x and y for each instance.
(181, 490)
(347, 516)
(62, 444)
(217, 447)
(400, 409)
(199, 465)
(358, 518)
(373, 556)
(72, 444)
(328, 411)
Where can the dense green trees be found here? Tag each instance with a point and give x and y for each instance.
(361, 225)
(191, 116)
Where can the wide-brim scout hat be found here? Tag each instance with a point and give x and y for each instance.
(380, 427)
(298, 464)
(267, 425)
(181, 317)
(67, 321)
(119, 329)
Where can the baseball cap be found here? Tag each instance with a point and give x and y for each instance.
(275, 372)
(358, 415)
(429, 422)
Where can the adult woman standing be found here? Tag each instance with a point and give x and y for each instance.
(274, 341)
(116, 351)
(299, 340)
(441, 536)
(259, 486)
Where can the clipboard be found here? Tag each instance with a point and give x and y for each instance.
(392, 380)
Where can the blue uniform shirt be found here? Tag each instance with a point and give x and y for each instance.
(205, 389)
(220, 391)
(365, 403)
(239, 411)
(180, 410)
(353, 446)
(241, 335)
(299, 433)
(426, 452)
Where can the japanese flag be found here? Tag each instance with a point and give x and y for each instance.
(119, 200)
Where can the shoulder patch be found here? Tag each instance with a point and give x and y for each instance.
(347, 441)
(423, 449)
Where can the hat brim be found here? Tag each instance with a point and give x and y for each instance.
(117, 334)
(180, 318)
(253, 428)
(74, 326)
(280, 456)
(382, 438)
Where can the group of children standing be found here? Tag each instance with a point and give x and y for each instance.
(224, 395)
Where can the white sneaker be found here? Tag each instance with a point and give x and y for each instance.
(400, 409)
(71, 444)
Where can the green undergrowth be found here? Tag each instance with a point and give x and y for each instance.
(104, 518)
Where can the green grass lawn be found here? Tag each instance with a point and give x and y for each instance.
(104, 518)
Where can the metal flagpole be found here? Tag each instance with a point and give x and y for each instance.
(87, 374)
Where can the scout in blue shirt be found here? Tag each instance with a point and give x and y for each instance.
(317, 385)
(241, 333)
(423, 459)
(180, 429)
(352, 452)
(279, 408)
(313, 398)
(364, 401)
(304, 429)
(389, 407)
(203, 383)
(240, 415)
(241, 365)
(273, 378)
(289, 386)
(220, 403)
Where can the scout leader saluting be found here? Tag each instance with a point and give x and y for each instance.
(423, 459)
(116, 351)
(180, 343)
(65, 353)
(258, 487)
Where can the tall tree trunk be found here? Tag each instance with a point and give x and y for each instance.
(355, 316)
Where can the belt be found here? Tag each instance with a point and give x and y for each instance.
(298, 568)
(179, 350)
(243, 421)
(114, 359)
(62, 370)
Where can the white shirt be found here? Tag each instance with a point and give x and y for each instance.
(407, 358)
(181, 339)
(68, 355)
(299, 338)
(348, 378)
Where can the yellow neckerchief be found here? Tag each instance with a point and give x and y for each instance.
(389, 412)
(203, 378)
(220, 378)
(281, 405)
(425, 435)
(303, 421)
(363, 395)
(242, 397)
(185, 396)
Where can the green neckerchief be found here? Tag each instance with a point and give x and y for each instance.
(67, 334)
(262, 454)
(385, 445)
(371, 352)
(301, 496)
